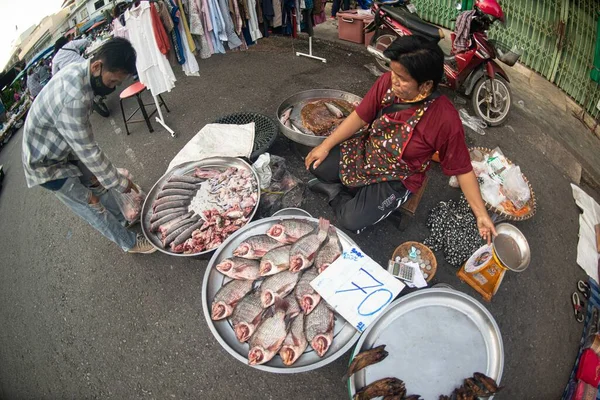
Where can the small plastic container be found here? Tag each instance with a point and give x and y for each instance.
(351, 25)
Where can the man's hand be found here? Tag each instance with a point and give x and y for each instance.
(487, 230)
(131, 186)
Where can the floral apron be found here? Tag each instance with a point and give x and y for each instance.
(374, 155)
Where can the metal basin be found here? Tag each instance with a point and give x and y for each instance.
(220, 163)
(512, 248)
(344, 333)
(298, 101)
(292, 211)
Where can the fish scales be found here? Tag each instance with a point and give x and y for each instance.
(290, 230)
(318, 328)
(307, 297)
(275, 261)
(246, 316)
(277, 286)
(240, 268)
(303, 252)
(330, 251)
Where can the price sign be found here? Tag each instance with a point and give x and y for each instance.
(357, 288)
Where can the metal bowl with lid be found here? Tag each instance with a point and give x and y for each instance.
(298, 101)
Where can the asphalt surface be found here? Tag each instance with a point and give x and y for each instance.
(80, 319)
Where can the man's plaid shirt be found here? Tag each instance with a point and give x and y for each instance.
(58, 130)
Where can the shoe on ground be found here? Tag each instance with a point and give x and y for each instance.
(142, 246)
(330, 190)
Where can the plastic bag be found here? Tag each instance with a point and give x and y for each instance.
(130, 203)
(497, 165)
(479, 168)
(453, 182)
(263, 170)
(285, 190)
(515, 188)
(490, 191)
(477, 124)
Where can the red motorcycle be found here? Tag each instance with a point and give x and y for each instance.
(473, 72)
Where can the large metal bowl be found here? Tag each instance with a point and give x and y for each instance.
(520, 258)
(344, 333)
(298, 101)
(185, 169)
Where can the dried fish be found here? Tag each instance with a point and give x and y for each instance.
(382, 387)
(366, 358)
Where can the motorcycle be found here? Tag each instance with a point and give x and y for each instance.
(473, 72)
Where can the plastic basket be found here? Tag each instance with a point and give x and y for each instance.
(265, 129)
(508, 55)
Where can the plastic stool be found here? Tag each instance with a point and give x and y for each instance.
(136, 90)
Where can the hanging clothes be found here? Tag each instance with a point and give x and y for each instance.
(190, 66)
(277, 15)
(160, 35)
(233, 41)
(238, 24)
(167, 22)
(218, 26)
(319, 12)
(119, 30)
(197, 29)
(186, 28)
(177, 41)
(253, 21)
(152, 66)
(207, 24)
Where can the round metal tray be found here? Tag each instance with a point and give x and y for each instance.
(220, 163)
(344, 333)
(292, 211)
(298, 101)
(435, 338)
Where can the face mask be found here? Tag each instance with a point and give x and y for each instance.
(98, 86)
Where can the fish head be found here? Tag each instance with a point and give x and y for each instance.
(243, 250)
(256, 355)
(308, 304)
(221, 310)
(225, 266)
(243, 331)
(266, 268)
(276, 231)
(321, 344)
(267, 298)
(289, 355)
(297, 263)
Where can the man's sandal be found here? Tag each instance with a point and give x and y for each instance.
(577, 307)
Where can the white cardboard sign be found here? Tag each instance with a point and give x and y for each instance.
(357, 288)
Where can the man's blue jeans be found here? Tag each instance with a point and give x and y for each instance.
(105, 215)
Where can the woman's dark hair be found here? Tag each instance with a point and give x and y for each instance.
(422, 58)
(60, 42)
(117, 55)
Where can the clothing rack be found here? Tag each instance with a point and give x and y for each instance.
(309, 29)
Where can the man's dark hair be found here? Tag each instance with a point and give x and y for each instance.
(422, 58)
(60, 42)
(117, 55)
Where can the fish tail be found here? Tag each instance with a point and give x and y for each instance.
(323, 228)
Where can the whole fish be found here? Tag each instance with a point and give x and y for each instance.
(172, 236)
(180, 185)
(303, 252)
(168, 199)
(166, 231)
(175, 192)
(383, 387)
(329, 252)
(275, 261)
(184, 179)
(366, 358)
(186, 234)
(240, 268)
(277, 287)
(307, 297)
(318, 328)
(270, 334)
(172, 204)
(256, 247)
(295, 342)
(167, 218)
(228, 296)
(289, 231)
(158, 215)
(164, 228)
(247, 316)
(334, 110)
(285, 116)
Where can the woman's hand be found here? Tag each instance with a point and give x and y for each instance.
(487, 230)
(317, 155)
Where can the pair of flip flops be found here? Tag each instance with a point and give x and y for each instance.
(578, 304)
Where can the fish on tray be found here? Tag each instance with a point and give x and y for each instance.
(277, 287)
(247, 315)
(158, 215)
(176, 192)
(289, 231)
(295, 342)
(318, 328)
(293, 306)
(167, 219)
(307, 297)
(386, 388)
(275, 261)
(330, 251)
(240, 268)
(285, 116)
(366, 358)
(303, 252)
(256, 247)
(184, 179)
(228, 296)
(270, 334)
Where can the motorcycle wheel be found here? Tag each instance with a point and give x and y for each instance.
(101, 108)
(482, 99)
(381, 43)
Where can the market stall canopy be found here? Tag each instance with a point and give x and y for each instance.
(21, 74)
(39, 56)
(71, 31)
(90, 23)
(97, 24)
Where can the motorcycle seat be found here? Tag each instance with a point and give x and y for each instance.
(413, 22)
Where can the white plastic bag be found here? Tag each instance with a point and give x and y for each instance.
(477, 124)
(130, 203)
(263, 170)
(490, 191)
(497, 165)
(453, 182)
(515, 188)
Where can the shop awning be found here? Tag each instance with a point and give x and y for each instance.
(91, 22)
(97, 24)
(39, 55)
(70, 31)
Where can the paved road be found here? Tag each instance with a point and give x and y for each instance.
(80, 319)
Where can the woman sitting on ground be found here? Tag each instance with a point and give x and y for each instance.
(379, 155)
